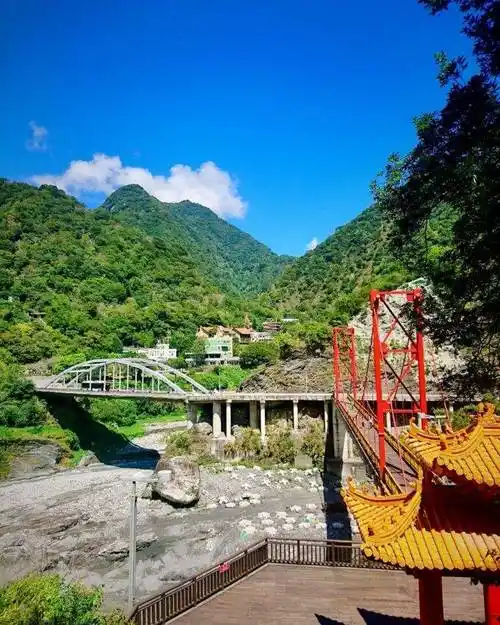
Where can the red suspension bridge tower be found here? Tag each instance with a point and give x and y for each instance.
(397, 360)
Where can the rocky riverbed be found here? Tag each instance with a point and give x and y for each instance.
(76, 522)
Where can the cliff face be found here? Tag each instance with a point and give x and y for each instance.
(298, 374)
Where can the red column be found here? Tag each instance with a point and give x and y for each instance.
(430, 595)
(422, 390)
(377, 366)
(491, 603)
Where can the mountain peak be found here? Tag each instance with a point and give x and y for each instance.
(125, 197)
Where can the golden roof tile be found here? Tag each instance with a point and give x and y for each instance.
(433, 527)
(472, 454)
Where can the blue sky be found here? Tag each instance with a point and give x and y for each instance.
(298, 103)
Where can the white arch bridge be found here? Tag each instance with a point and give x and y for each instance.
(122, 377)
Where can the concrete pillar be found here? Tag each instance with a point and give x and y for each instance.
(295, 414)
(192, 413)
(388, 424)
(263, 419)
(325, 416)
(253, 415)
(228, 418)
(216, 419)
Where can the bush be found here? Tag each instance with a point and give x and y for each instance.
(281, 444)
(49, 600)
(260, 353)
(114, 411)
(313, 442)
(247, 443)
(19, 406)
(187, 443)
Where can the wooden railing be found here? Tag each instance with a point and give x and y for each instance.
(163, 607)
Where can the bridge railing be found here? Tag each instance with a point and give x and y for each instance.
(169, 604)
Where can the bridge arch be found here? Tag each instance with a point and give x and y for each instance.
(125, 375)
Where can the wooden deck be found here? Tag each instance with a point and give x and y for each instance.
(298, 595)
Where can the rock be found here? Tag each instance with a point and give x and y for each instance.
(231, 504)
(281, 514)
(32, 458)
(255, 501)
(211, 506)
(147, 493)
(288, 527)
(177, 480)
(267, 522)
(244, 504)
(203, 428)
(271, 531)
(311, 506)
(119, 549)
(302, 461)
(263, 515)
(244, 522)
(223, 500)
(89, 459)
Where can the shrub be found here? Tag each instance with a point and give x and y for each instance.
(19, 406)
(281, 444)
(49, 600)
(313, 442)
(247, 443)
(187, 443)
(259, 353)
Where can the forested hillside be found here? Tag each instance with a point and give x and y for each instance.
(76, 280)
(331, 283)
(225, 255)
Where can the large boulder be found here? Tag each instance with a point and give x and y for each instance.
(177, 480)
(203, 427)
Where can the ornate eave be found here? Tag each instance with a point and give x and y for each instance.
(471, 454)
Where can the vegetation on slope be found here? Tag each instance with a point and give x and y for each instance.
(456, 162)
(79, 281)
(332, 282)
(226, 256)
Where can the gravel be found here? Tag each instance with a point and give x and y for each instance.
(76, 523)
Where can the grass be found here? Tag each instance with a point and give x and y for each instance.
(139, 427)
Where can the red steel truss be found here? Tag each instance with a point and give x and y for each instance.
(387, 380)
(345, 371)
(387, 386)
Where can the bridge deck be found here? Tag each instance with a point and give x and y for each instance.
(296, 595)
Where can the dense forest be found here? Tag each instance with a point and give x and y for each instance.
(74, 280)
(224, 255)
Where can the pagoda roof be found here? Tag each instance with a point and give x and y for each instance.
(471, 454)
(433, 527)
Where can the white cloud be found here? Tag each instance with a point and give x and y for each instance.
(38, 140)
(208, 185)
(312, 245)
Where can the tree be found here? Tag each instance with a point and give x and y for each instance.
(456, 163)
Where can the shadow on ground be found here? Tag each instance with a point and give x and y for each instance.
(338, 526)
(110, 447)
(377, 618)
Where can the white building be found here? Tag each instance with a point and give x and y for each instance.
(160, 352)
(256, 337)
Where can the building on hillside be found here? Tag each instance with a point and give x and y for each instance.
(160, 352)
(271, 326)
(219, 349)
(205, 332)
(243, 335)
(256, 337)
(289, 320)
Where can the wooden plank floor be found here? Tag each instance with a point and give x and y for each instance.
(294, 595)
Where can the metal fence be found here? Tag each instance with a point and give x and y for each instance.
(171, 603)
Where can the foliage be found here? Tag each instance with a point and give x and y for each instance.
(79, 282)
(313, 441)
(19, 406)
(456, 162)
(281, 445)
(187, 443)
(331, 283)
(259, 353)
(246, 444)
(222, 376)
(49, 600)
(230, 258)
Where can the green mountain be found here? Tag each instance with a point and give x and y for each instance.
(228, 257)
(78, 280)
(332, 282)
